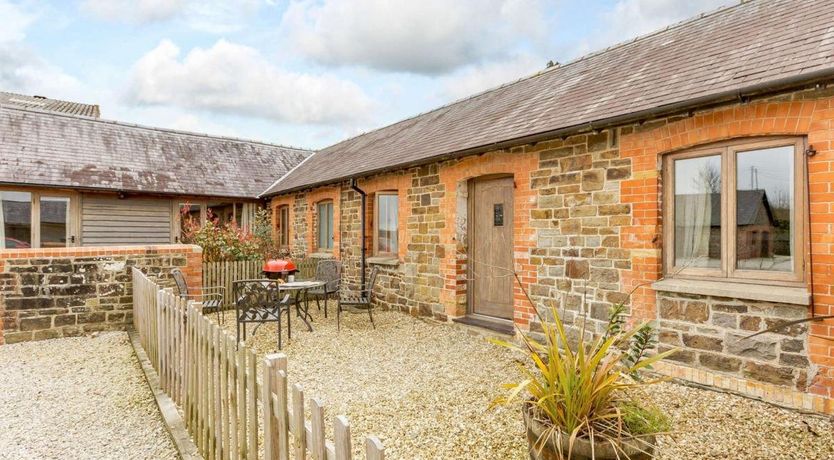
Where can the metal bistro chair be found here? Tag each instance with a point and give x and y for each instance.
(260, 301)
(211, 297)
(357, 302)
(329, 271)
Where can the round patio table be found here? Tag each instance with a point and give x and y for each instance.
(300, 288)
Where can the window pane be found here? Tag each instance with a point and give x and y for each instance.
(387, 223)
(698, 212)
(221, 212)
(189, 218)
(54, 221)
(284, 224)
(239, 213)
(325, 225)
(16, 220)
(765, 209)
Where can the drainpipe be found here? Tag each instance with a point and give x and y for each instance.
(364, 199)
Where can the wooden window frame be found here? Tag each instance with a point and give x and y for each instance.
(728, 152)
(73, 235)
(247, 215)
(283, 227)
(332, 238)
(376, 250)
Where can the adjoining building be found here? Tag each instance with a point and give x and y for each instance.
(74, 180)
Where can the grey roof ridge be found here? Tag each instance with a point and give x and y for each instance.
(151, 128)
(721, 9)
(278, 181)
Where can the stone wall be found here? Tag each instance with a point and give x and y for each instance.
(49, 293)
(709, 333)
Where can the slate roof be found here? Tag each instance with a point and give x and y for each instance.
(51, 149)
(713, 58)
(52, 105)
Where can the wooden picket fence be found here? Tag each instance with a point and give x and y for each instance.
(214, 382)
(226, 272)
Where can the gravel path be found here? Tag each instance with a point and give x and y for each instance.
(424, 389)
(78, 398)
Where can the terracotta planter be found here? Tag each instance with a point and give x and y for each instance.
(628, 449)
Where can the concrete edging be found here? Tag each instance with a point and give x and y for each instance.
(167, 408)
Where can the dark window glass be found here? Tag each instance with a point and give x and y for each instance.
(698, 212)
(765, 209)
(16, 216)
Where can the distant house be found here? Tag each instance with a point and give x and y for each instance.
(755, 224)
(76, 180)
(50, 105)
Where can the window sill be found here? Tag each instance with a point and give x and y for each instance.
(390, 261)
(766, 293)
(322, 255)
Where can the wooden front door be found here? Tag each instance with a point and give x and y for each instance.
(491, 247)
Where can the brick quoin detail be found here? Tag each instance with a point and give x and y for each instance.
(645, 146)
(453, 176)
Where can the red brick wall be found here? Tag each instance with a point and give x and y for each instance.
(811, 118)
(48, 293)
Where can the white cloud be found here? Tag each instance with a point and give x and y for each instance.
(21, 69)
(134, 11)
(236, 79)
(427, 37)
(213, 16)
(26, 73)
(219, 16)
(475, 79)
(15, 22)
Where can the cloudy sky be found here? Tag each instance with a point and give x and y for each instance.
(299, 72)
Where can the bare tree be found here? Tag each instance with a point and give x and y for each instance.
(708, 179)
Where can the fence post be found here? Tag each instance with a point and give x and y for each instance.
(299, 431)
(269, 386)
(283, 417)
(374, 449)
(341, 434)
(282, 410)
(252, 404)
(318, 448)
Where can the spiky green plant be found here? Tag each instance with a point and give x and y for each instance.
(579, 389)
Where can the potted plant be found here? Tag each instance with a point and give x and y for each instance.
(575, 395)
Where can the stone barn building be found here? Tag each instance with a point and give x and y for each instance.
(565, 185)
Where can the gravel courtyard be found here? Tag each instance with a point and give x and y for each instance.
(424, 388)
(78, 398)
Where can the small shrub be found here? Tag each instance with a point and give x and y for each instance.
(228, 241)
(641, 419)
(580, 389)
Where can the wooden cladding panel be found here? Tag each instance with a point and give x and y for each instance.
(111, 221)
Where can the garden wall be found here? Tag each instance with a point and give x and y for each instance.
(49, 293)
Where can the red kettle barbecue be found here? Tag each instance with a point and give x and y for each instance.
(279, 268)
